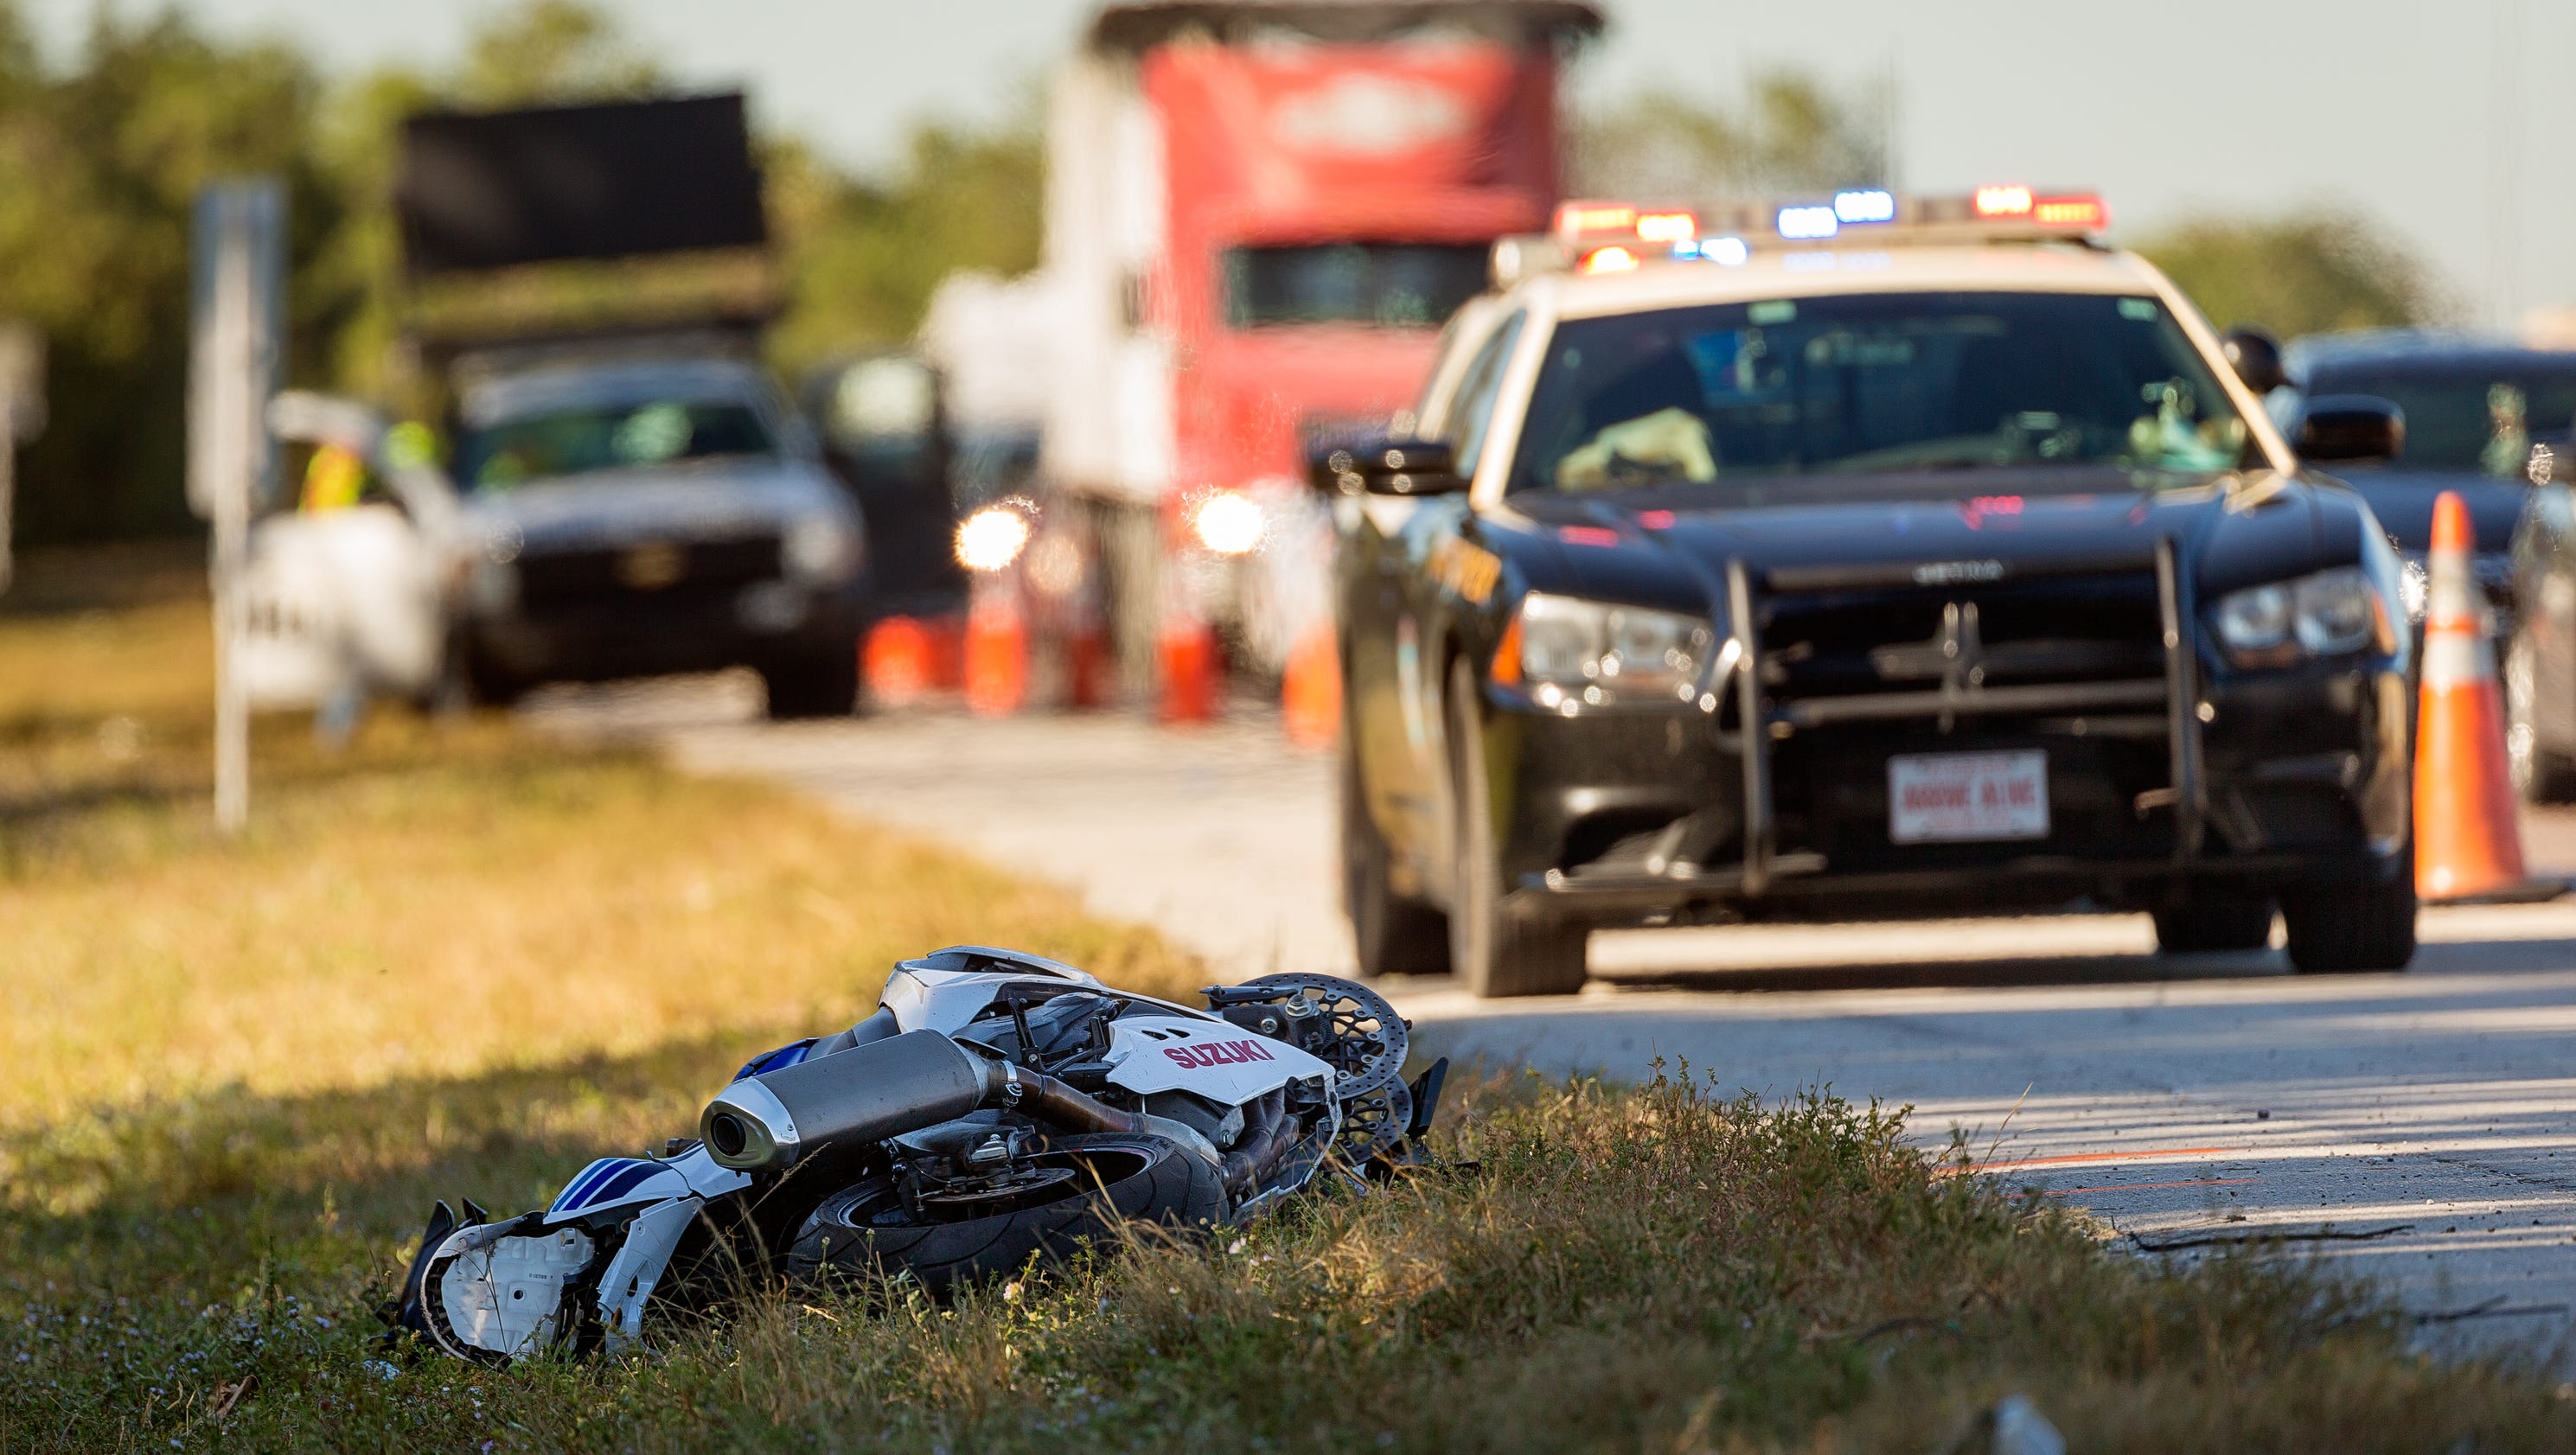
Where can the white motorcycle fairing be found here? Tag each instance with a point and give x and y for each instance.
(500, 1287)
(1215, 1059)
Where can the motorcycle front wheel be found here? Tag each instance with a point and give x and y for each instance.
(868, 1231)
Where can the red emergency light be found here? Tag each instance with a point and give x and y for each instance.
(1578, 219)
(2080, 211)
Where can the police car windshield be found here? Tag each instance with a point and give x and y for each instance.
(549, 446)
(1867, 384)
(2464, 420)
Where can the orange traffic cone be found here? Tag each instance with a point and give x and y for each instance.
(898, 662)
(1185, 648)
(2468, 844)
(1310, 691)
(997, 650)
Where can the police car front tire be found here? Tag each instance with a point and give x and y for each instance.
(824, 685)
(2364, 927)
(1493, 952)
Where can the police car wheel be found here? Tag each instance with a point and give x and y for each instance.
(2209, 925)
(1394, 933)
(824, 685)
(2363, 927)
(1495, 953)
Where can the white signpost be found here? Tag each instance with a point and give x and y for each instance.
(22, 418)
(239, 287)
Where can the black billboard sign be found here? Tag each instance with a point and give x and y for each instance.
(621, 179)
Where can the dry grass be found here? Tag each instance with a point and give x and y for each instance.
(451, 960)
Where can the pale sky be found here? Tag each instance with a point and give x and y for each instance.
(2450, 122)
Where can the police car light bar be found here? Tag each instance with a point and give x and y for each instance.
(1616, 237)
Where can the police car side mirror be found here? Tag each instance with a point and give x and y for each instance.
(2256, 357)
(2351, 428)
(1401, 467)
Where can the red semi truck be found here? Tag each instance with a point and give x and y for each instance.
(1258, 217)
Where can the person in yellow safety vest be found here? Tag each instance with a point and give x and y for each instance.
(410, 445)
(333, 480)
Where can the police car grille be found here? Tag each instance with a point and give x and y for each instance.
(2072, 663)
(1846, 647)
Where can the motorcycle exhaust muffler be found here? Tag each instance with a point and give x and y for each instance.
(867, 1094)
(859, 1097)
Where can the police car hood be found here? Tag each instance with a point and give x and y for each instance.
(1673, 547)
(2403, 501)
(710, 500)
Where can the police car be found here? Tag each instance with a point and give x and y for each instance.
(1859, 556)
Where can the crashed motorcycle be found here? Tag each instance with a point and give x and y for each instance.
(996, 1110)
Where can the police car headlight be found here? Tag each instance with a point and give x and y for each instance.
(1589, 652)
(820, 548)
(2324, 615)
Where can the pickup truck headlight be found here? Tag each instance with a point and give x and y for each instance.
(1585, 650)
(2324, 615)
(820, 548)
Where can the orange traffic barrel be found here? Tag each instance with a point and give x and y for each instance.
(997, 649)
(1310, 691)
(1185, 650)
(1089, 664)
(2468, 840)
(899, 661)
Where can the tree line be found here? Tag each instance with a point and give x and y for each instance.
(101, 155)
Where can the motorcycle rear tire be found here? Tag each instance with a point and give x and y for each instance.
(865, 1232)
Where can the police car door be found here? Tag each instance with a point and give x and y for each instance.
(1416, 788)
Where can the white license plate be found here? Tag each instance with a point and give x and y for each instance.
(1961, 797)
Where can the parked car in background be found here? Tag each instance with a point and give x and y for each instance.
(2475, 408)
(885, 432)
(2491, 420)
(626, 518)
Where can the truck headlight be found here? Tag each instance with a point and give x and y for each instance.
(992, 538)
(1573, 650)
(2327, 614)
(492, 587)
(819, 548)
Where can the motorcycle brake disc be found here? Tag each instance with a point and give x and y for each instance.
(1368, 1041)
(1372, 1124)
(1019, 1184)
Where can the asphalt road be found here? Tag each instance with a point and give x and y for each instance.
(2419, 1126)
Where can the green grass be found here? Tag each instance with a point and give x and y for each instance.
(452, 960)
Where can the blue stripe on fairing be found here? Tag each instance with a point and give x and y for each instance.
(590, 1177)
(623, 1183)
(773, 1060)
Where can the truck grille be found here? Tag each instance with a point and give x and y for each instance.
(646, 569)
